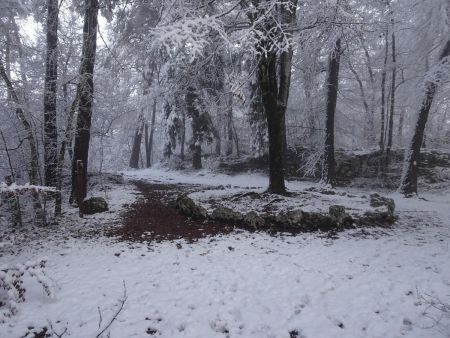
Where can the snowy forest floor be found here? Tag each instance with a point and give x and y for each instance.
(188, 279)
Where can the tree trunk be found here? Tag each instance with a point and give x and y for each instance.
(288, 16)
(408, 184)
(392, 103)
(183, 136)
(62, 151)
(191, 107)
(148, 161)
(137, 140)
(34, 165)
(383, 95)
(152, 132)
(83, 129)
(50, 92)
(328, 168)
(267, 72)
(229, 129)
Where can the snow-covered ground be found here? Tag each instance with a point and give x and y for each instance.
(382, 283)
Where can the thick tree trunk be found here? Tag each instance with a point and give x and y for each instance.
(328, 168)
(267, 72)
(288, 16)
(408, 184)
(83, 129)
(137, 140)
(50, 91)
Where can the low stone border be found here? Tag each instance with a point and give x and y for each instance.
(337, 217)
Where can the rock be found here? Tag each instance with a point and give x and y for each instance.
(292, 218)
(188, 207)
(327, 192)
(313, 221)
(376, 218)
(338, 213)
(94, 205)
(254, 220)
(226, 214)
(377, 201)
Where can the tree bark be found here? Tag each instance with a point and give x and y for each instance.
(328, 168)
(83, 129)
(229, 129)
(408, 184)
(392, 103)
(137, 140)
(383, 95)
(152, 132)
(50, 92)
(196, 148)
(267, 70)
(34, 164)
(62, 151)
(148, 161)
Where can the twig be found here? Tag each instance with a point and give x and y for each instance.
(100, 319)
(121, 305)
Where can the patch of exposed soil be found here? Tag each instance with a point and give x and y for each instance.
(154, 217)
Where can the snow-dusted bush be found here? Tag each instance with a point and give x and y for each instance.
(21, 204)
(12, 289)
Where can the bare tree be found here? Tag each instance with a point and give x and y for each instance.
(328, 168)
(83, 129)
(50, 92)
(408, 184)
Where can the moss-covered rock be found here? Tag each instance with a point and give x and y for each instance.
(226, 214)
(188, 207)
(254, 220)
(290, 219)
(338, 212)
(313, 221)
(94, 205)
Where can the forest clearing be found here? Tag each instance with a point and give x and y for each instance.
(224, 168)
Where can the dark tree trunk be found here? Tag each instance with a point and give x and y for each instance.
(51, 77)
(136, 150)
(401, 120)
(8, 55)
(408, 184)
(148, 161)
(152, 132)
(392, 103)
(192, 110)
(62, 151)
(328, 169)
(383, 96)
(229, 128)
(236, 141)
(83, 129)
(183, 136)
(267, 72)
(288, 16)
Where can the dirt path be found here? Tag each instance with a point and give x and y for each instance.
(154, 217)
